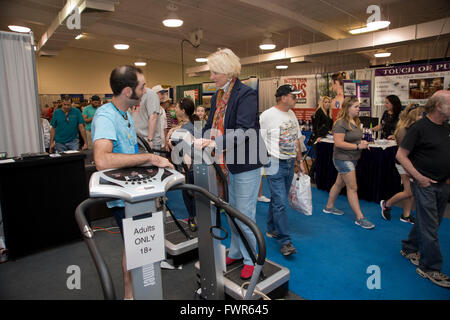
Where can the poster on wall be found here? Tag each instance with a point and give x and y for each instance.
(209, 88)
(360, 89)
(306, 100)
(411, 83)
(192, 91)
(191, 94)
(332, 86)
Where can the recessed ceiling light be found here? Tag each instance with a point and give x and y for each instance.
(201, 59)
(382, 54)
(121, 46)
(79, 36)
(281, 67)
(19, 29)
(140, 63)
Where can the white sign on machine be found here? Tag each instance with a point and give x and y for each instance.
(144, 240)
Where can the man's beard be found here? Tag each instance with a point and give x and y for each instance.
(134, 100)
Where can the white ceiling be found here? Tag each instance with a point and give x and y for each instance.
(237, 24)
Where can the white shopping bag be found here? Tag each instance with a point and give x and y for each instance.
(300, 197)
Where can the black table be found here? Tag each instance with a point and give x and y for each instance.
(38, 199)
(376, 174)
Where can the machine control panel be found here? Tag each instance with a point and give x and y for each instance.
(134, 184)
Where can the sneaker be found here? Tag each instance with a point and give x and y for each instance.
(333, 210)
(247, 272)
(229, 261)
(408, 219)
(365, 223)
(413, 257)
(263, 199)
(385, 211)
(288, 249)
(272, 234)
(436, 277)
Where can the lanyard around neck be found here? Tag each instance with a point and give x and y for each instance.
(124, 115)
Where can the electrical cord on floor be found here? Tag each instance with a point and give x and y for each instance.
(95, 229)
(257, 291)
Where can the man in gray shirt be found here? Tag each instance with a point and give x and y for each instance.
(146, 119)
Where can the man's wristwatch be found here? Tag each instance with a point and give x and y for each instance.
(357, 146)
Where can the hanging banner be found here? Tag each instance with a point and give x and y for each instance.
(360, 89)
(76, 98)
(306, 100)
(411, 83)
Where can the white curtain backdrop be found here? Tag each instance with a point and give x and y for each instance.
(19, 112)
(267, 89)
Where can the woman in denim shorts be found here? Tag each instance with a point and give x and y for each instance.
(346, 152)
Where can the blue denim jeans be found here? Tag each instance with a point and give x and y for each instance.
(243, 192)
(345, 166)
(279, 184)
(423, 238)
(71, 145)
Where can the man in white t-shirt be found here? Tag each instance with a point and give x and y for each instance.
(281, 133)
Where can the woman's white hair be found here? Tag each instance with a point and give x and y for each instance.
(224, 61)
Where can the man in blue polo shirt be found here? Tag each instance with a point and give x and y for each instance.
(65, 125)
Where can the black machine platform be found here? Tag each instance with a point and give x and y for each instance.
(273, 280)
(178, 247)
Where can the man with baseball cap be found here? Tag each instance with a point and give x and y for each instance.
(281, 133)
(162, 93)
(88, 115)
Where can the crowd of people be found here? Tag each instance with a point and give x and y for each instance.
(422, 160)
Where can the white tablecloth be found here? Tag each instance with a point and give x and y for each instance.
(375, 144)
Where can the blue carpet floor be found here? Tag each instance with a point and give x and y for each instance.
(335, 257)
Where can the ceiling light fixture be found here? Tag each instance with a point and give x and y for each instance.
(172, 20)
(372, 26)
(281, 67)
(201, 59)
(19, 29)
(140, 64)
(121, 46)
(382, 54)
(376, 25)
(267, 43)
